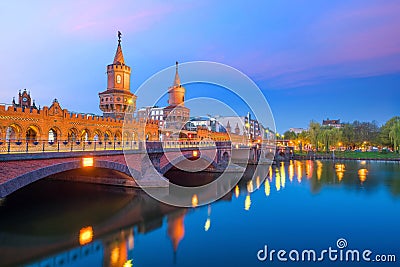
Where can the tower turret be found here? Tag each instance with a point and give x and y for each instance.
(118, 101)
(176, 91)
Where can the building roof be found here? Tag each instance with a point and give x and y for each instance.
(119, 57)
(177, 80)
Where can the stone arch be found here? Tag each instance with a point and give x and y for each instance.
(13, 132)
(148, 136)
(32, 133)
(72, 135)
(126, 137)
(225, 157)
(177, 160)
(97, 135)
(84, 135)
(134, 136)
(38, 174)
(54, 134)
(118, 136)
(108, 136)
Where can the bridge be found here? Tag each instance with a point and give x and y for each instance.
(128, 164)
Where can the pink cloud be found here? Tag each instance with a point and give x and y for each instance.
(100, 17)
(347, 42)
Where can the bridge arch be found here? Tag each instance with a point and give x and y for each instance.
(183, 158)
(25, 179)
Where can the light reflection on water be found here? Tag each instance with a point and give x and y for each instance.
(86, 225)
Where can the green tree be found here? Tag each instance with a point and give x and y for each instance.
(314, 132)
(394, 135)
(290, 135)
(384, 138)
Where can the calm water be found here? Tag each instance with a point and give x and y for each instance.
(303, 205)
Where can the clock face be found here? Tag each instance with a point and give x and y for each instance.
(118, 78)
(24, 99)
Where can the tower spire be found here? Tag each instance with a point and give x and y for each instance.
(177, 80)
(119, 57)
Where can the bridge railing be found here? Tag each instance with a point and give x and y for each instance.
(18, 146)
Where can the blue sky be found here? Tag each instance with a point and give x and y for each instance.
(312, 59)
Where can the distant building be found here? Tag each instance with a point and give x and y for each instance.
(24, 101)
(297, 130)
(153, 113)
(332, 123)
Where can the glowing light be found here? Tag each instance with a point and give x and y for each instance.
(85, 235)
(291, 170)
(207, 224)
(128, 263)
(277, 180)
(130, 101)
(114, 255)
(195, 153)
(258, 182)
(362, 175)
(283, 174)
(167, 134)
(319, 169)
(309, 169)
(237, 191)
(340, 169)
(195, 201)
(247, 203)
(299, 171)
(131, 241)
(247, 125)
(250, 186)
(87, 162)
(237, 146)
(363, 162)
(267, 188)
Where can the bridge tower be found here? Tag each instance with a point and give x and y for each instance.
(118, 101)
(176, 114)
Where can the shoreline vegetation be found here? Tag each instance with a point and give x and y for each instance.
(353, 141)
(348, 155)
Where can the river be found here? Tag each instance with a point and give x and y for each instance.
(302, 205)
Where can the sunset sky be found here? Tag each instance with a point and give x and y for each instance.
(312, 59)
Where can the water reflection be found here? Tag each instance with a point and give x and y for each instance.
(109, 222)
(340, 169)
(362, 175)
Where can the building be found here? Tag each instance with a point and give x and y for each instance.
(332, 123)
(153, 113)
(22, 121)
(297, 130)
(24, 101)
(176, 114)
(117, 101)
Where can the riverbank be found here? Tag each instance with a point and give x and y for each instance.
(348, 155)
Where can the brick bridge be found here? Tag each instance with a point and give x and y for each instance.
(141, 165)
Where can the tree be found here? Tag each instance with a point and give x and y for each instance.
(314, 131)
(384, 138)
(290, 135)
(394, 135)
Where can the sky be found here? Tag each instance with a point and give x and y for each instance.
(311, 59)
